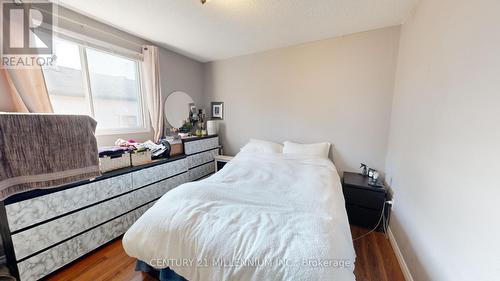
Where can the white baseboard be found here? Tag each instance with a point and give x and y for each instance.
(399, 256)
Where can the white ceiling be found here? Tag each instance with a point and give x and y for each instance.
(227, 28)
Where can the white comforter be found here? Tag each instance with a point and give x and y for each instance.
(262, 217)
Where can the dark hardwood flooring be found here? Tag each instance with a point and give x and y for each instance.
(375, 258)
(375, 262)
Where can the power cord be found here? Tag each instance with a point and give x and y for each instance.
(384, 223)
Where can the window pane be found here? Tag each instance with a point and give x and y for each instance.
(64, 80)
(115, 90)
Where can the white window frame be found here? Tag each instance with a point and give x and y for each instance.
(87, 88)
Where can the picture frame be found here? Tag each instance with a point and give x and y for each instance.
(217, 110)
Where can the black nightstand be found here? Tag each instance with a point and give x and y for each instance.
(364, 203)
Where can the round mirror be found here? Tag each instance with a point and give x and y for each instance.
(177, 108)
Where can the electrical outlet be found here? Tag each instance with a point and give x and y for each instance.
(389, 181)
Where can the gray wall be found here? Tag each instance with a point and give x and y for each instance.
(337, 90)
(444, 148)
(180, 73)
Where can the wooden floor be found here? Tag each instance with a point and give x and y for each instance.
(375, 258)
(375, 262)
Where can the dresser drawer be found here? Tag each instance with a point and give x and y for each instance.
(174, 168)
(41, 265)
(39, 209)
(195, 146)
(156, 173)
(201, 171)
(363, 198)
(177, 180)
(202, 158)
(364, 217)
(38, 238)
(146, 176)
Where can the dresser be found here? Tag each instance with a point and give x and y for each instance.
(201, 152)
(45, 230)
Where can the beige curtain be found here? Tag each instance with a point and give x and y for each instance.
(152, 88)
(24, 90)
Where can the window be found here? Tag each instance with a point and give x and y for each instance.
(65, 81)
(96, 83)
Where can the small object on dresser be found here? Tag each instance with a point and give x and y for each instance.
(160, 150)
(166, 148)
(186, 127)
(176, 148)
(370, 172)
(375, 183)
(373, 178)
(364, 169)
(212, 127)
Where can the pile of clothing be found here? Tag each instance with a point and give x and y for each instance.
(122, 155)
(112, 151)
(131, 146)
(121, 147)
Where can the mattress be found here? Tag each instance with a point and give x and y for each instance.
(262, 217)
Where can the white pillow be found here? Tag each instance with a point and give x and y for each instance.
(316, 149)
(262, 146)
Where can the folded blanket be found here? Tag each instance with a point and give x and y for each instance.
(45, 151)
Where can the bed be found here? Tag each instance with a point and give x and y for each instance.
(262, 217)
